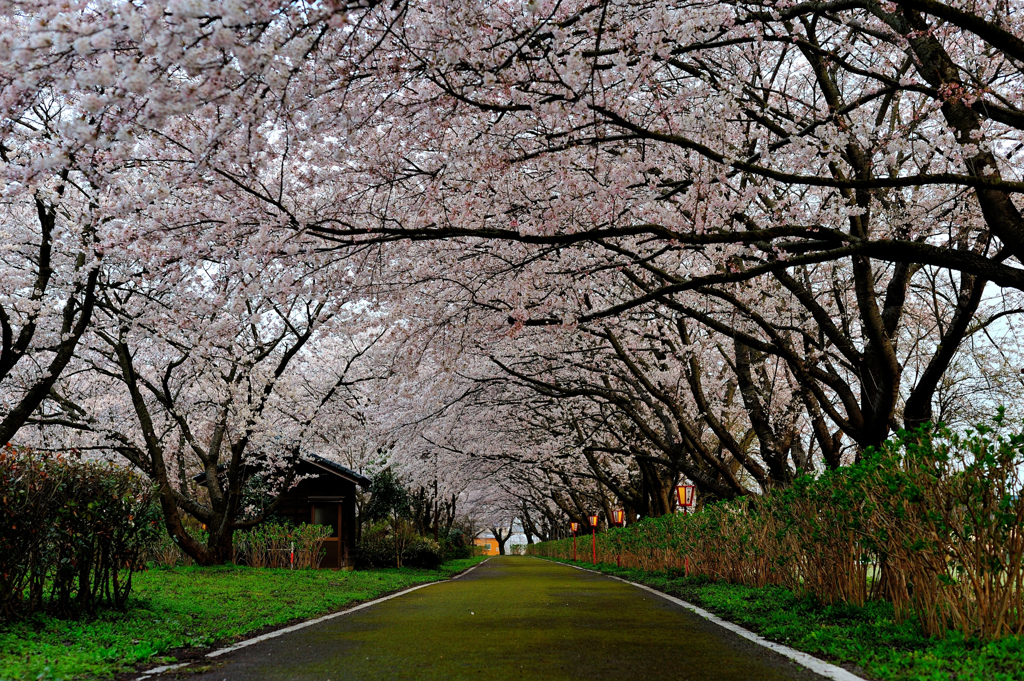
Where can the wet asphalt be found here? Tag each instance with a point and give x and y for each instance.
(511, 618)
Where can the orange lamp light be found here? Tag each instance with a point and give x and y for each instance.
(687, 495)
(619, 516)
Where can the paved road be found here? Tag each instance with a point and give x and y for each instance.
(513, 618)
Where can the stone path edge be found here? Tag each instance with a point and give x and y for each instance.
(150, 673)
(816, 665)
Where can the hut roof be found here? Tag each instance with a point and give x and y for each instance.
(332, 467)
(338, 469)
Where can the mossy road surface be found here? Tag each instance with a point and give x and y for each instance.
(513, 618)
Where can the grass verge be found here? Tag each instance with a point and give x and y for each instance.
(174, 608)
(866, 640)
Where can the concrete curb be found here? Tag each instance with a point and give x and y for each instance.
(302, 625)
(818, 666)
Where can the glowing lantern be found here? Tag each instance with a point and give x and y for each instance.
(687, 495)
(619, 516)
(593, 535)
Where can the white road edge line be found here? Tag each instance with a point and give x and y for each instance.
(826, 669)
(307, 623)
(160, 670)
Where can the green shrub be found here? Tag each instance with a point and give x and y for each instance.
(377, 550)
(424, 553)
(455, 545)
(72, 533)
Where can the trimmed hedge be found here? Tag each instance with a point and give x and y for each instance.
(72, 533)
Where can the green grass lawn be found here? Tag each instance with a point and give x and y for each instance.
(867, 639)
(186, 607)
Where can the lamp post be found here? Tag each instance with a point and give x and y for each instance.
(574, 526)
(619, 518)
(593, 535)
(687, 496)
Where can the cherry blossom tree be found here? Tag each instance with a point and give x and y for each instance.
(592, 130)
(50, 258)
(80, 85)
(607, 246)
(232, 371)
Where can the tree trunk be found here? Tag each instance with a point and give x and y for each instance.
(220, 548)
(501, 537)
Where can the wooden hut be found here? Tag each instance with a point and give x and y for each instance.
(327, 499)
(325, 495)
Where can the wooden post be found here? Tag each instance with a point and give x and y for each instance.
(593, 541)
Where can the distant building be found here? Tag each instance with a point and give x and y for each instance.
(487, 545)
(516, 544)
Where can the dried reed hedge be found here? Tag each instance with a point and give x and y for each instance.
(933, 522)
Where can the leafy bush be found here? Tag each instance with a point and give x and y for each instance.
(72, 533)
(933, 522)
(377, 550)
(455, 546)
(423, 552)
